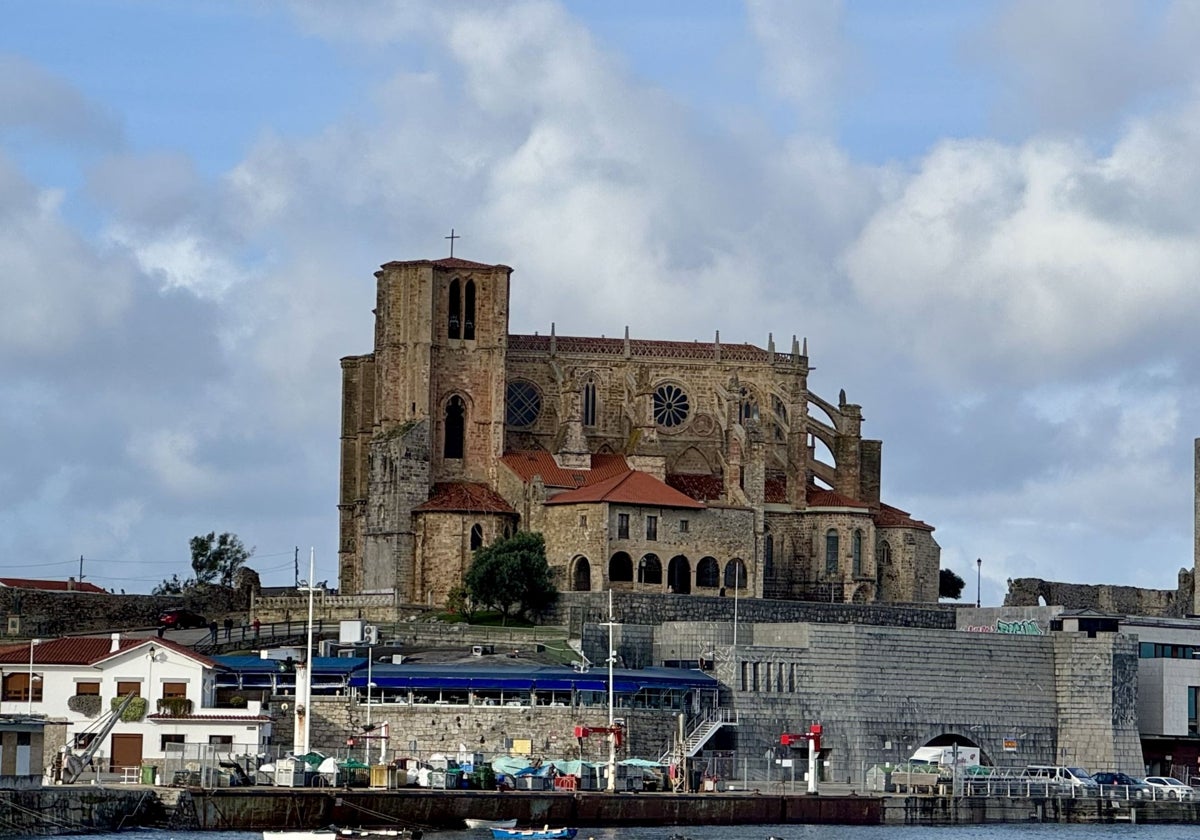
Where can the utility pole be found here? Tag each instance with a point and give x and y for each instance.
(81, 568)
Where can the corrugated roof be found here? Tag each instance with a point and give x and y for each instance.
(464, 497)
(52, 585)
(321, 664)
(630, 488)
(529, 463)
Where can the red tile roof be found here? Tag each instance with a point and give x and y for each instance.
(640, 347)
(88, 650)
(52, 585)
(630, 488)
(703, 488)
(527, 464)
(448, 262)
(464, 497)
(820, 497)
(775, 490)
(891, 517)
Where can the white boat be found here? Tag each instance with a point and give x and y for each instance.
(491, 823)
(334, 833)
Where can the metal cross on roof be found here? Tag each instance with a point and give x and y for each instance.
(452, 237)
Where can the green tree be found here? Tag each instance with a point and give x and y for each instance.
(173, 586)
(216, 559)
(950, 585)
(511, 575)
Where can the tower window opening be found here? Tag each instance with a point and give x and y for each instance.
(455, 326)
(469, 319)
(455, 428)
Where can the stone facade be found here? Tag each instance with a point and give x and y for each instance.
(441, 423)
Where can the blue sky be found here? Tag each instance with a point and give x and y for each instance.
(982, 216)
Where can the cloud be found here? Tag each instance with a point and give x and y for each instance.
(36, 102)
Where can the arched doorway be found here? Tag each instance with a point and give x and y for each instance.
(581, 575)
(649, 571)
(679, 575)
(620, 567)
(708, 573)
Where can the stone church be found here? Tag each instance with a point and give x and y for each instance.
(652, 466)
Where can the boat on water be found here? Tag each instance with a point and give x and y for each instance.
(335, 833)
(546, 833)
(473, 823)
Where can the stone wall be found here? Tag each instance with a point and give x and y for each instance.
(420, 731)
(1096, 684)
(1123, 600)
(29, 612)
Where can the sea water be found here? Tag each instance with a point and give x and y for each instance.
(1008, 831)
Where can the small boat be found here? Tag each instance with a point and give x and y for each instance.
(335, 833)
(546, 833)
(472, 823)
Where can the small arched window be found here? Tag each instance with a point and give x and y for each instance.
(469, 314)
(831, 551)
(455, 326)
(589, 402)
(856, 552)
(454, 428)
(476, 536)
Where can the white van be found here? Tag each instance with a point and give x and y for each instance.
(1073, 780)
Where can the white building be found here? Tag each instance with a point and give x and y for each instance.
(79, 679)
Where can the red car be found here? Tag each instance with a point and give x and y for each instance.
(181, 619)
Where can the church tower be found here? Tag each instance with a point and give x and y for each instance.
(426, 407)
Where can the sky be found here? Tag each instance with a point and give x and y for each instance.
(981, 216)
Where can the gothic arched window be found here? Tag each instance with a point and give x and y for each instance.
(831, 551)
(856, 552)
(455, 326)
(523, 403)
(589, 402)
(469, 314)
(476, 536)
(454, 428)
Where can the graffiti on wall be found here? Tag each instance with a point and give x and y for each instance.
(1021, 627)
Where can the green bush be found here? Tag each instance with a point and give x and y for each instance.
(135, 711)
(84, 704)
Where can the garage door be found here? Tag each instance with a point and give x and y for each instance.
(126, 752)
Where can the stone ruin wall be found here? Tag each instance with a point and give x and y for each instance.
(1122, 600)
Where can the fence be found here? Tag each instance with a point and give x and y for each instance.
(213, 765)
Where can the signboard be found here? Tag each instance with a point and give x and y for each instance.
(1010, 744)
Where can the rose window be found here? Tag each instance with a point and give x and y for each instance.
(670, 405)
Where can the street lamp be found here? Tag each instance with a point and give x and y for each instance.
(978, 572)
(32, 644)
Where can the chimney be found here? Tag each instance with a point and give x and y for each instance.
(116, 643)
(70, 584)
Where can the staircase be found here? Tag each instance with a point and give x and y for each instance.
(698, 737)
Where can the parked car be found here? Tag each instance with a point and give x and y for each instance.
(179, 618)
(1074, 781)
(1122, 786)
(1170, 787)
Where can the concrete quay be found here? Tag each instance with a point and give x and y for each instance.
(233, 809)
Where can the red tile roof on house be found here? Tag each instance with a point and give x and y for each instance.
(529, 463)
(630, 488)
(52, 585)
(702, 488)
(464, 497)
(89, 650)
(891, 517)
